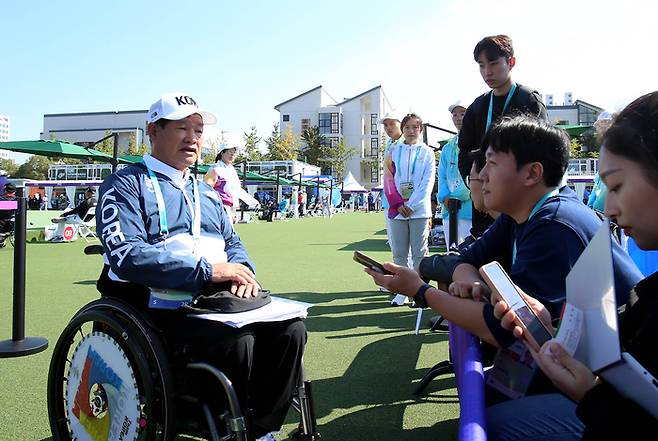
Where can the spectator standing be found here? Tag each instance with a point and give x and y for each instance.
(224, 179)
(408, 181)
(495, 57)
(453, 192)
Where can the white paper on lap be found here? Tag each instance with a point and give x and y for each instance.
(279, 309)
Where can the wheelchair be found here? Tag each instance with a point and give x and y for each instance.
(7, 234)
(112, 377)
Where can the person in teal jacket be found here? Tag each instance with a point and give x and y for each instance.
(451, 184)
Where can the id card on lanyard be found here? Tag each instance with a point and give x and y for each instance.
(507, 101)
(169, 298)
(407, 185)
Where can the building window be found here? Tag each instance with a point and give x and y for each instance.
(374, 173)
(306, 124)
(328, 123)
(334, 123)
(286, 118)
(374, 127)
(374, 148)
(331, 141)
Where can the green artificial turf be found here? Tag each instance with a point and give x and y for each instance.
(362, 354)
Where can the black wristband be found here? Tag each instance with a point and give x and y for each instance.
(419, 298)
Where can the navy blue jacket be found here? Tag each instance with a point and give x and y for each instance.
(128, 225)
(548, 245)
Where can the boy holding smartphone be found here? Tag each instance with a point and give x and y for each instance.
(540, 234)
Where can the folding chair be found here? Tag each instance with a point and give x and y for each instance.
(88, 221)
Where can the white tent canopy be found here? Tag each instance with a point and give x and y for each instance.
(350, 185)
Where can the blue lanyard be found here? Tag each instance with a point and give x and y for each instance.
(490, 112)
(535, 209)
(413, 167)
(162, 211)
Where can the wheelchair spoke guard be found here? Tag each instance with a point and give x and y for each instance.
(102, 397)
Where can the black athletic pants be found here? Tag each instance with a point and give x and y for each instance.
(262, 360)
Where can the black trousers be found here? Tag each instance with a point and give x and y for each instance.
(262, 360)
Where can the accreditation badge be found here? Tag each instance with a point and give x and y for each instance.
(406, 190)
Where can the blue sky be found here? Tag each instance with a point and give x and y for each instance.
(239, 59)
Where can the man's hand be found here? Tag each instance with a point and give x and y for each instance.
(404, 280)
(236, 272)
(569, 375)
(404, 210)
(507, 317)
(475, 290)
(245, 291)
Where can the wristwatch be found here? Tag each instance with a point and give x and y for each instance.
(419, 298)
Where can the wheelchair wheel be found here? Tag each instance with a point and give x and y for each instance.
(109, 378)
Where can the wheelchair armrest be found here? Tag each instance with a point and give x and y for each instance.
(93, 249)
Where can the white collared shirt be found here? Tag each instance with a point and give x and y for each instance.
(179, 177)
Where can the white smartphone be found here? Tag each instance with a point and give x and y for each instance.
(534, 331)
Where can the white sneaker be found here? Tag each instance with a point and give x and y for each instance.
(399, 300)
(382, 289)
(267, 437)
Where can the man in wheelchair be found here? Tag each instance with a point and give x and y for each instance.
(7, 216)
(166, 237)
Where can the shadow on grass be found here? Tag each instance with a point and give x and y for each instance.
(367, 245)
(85, 282)
(381, 378)
(341, 316)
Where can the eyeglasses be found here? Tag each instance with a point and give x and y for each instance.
(470, 179)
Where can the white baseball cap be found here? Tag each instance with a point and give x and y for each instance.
(457, 103)
(175, 106)
(388, 116)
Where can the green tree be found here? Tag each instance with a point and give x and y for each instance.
(34, 168)
(273, 139)
(578, 152)
(336, 158)
(106, 146)
(9, 166)
(286, 147)
(251, 151)
(313, 150)
(133, 148)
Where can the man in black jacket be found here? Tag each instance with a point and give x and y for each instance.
(495, 56)
(84, 212)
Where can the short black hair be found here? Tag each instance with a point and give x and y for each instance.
(162, 122)
(479, 158)
(634, 135)
(10, 188)
(531, 139)
(494, 47)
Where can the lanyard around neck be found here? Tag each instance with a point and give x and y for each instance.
(535, 209)
(490, 112)
(162, 211)
(413, 167)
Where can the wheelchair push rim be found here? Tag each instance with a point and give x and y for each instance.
(102, 385)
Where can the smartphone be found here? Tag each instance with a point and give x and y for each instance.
(534, 331)
(370, 263)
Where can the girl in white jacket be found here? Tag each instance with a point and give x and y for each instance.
(409, 173)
